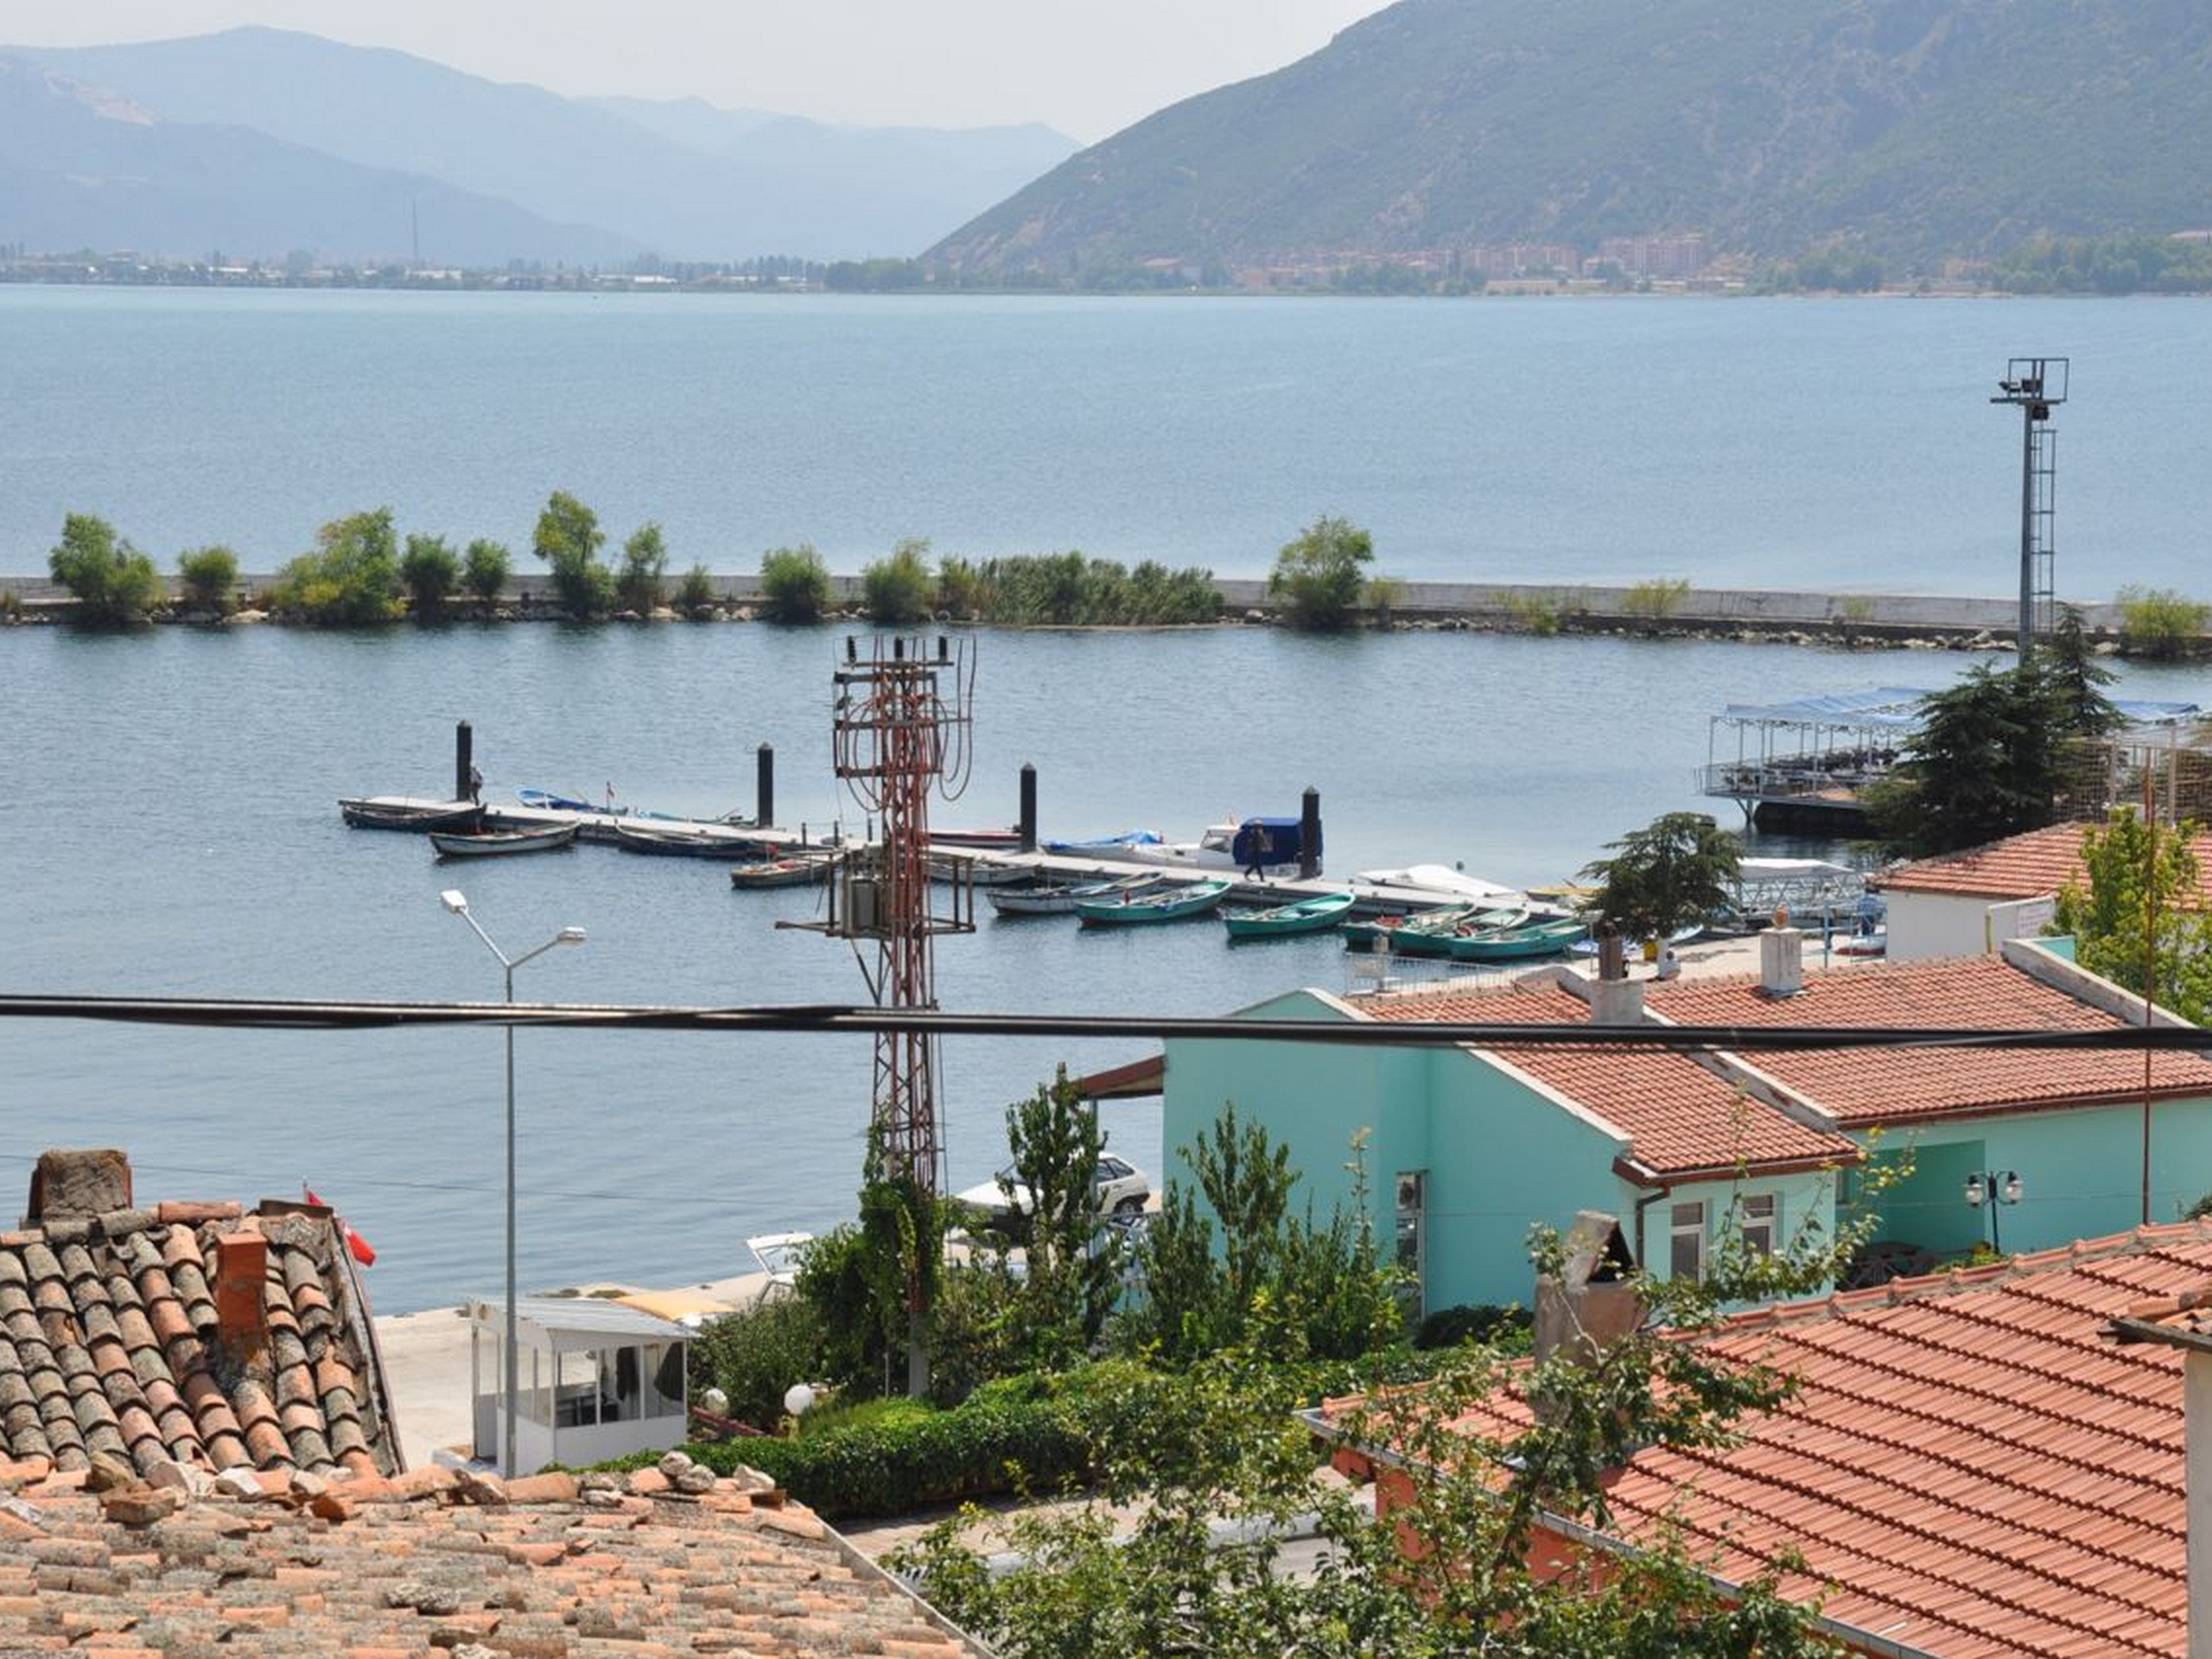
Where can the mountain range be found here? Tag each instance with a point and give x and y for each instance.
(260, 141)
(1908, 130)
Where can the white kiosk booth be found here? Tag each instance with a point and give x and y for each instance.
(595, 1380)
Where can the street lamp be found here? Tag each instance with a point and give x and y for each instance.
(511, 1379)
(1993, 1187)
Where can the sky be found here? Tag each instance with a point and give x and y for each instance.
(1086, 67)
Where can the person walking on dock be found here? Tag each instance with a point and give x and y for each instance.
(1256, 866)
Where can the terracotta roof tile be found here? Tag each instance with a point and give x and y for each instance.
(326, 1575)
(1968, 1466)
(110, 1343)
(1679, 1116)
(2020, 867)
(1865, 1087)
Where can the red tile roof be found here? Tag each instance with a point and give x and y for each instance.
(2020, 867)
(1969, 1467)
(1865, 1087)
(360, 1566)
(110, 1342)
(1682, 1118)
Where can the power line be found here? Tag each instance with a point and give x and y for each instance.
(827, 1019)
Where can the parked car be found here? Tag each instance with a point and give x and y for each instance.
(1003, 1202)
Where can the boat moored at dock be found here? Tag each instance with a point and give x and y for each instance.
(1317, 914)
(1171, 903)
(493, 843)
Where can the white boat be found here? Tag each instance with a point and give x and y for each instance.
(1439, 878)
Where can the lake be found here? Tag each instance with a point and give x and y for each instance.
(170, 814)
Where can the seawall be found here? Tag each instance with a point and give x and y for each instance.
(1542, 607)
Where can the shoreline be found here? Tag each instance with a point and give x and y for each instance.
(1649, 610)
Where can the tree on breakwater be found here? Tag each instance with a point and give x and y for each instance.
(568, 538)
(1319, 576)
(114, 583)
(352, 577)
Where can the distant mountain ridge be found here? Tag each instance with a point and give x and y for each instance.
(556, 178)
(1913, 129)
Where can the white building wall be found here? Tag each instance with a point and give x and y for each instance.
(1922, 925)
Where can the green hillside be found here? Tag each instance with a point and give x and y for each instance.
(1909, 129)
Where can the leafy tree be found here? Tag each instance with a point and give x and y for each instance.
(2135, 916)
(210, 575)
(897, 588)
(113, 583)
(1678, 869)
(644, 562)
(961, 589)
(753, 1356)
(1288, 1286)
(352, 579)
(485, 568)
(1985, 764)
(568, 538)
(1074, 1262)
(796, 584)
(431, 571)
(1319, 576)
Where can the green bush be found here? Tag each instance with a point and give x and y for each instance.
(795, 584)
(961, 589)
(1447, 1327)
(1656, 599)
(1540, 615)
(431, 571)
(351, 580)
(898, 589)
(210, 574)
(484, 569)
(898, 1460)
(114, 583)
(1317, 578)
(754, 1356)
(644, 562)
(2159, 623)
(696, 592)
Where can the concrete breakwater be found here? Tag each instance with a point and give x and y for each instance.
(1653, 608)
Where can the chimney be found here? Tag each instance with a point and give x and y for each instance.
(78, 1183)
(1590, 1304)
(1617, 1002)
(241, 1308)
(1782, 959)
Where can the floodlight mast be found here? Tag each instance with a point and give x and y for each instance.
(2036, 385)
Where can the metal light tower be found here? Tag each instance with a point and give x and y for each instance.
(900, 727)
(2036, 385)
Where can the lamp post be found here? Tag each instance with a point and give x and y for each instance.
(511, 1375)
(1993, 1187)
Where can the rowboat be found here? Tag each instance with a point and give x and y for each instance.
(492, 842)
(1419, 934)
(1139, 909)
(1315, 915)
(797, 870)
(396, 812)
(687, 841)
(1060, 899)
(1544, 938)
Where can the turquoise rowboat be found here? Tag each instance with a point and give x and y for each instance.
(1514, 943)
(1315, 915)
(1138, 910)
(1431, 932)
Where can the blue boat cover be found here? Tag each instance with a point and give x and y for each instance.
(1270, 841)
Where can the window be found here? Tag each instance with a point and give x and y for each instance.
(1762, 1220)
(1413, 1205)
(1685, 1259)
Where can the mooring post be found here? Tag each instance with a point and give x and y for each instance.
(764, 789)
(1028, 807)
(1309, 835)
(464, 761)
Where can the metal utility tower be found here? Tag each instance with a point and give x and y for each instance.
(899, 726)
(2036, 385)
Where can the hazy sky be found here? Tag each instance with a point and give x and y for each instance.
(1088, 67)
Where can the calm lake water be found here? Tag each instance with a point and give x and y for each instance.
(170, 817)
(1792, 443)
